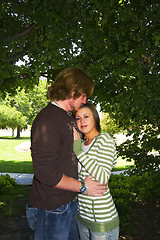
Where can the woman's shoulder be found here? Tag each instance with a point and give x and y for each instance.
(105, 137)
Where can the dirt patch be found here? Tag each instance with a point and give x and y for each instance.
(13, 222)
(15, 229)
(145, 223)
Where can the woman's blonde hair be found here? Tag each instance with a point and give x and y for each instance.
(69, 81)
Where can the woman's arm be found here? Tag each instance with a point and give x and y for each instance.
(98, 161)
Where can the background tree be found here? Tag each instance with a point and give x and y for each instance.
(27, 103)
(116, 42)
(11, 118)
(109, 125)
(37, 98)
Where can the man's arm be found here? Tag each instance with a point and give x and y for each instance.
(70, 184)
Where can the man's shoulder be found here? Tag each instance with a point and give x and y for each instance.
(49, 110)
(54, 114)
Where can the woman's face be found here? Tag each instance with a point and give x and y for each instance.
(85, 120)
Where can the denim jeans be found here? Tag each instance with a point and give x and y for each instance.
(58, 224)
(86, 234)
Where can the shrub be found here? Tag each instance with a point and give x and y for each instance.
(146, 186)
(132, 187)
(123, 197)
(6, 183)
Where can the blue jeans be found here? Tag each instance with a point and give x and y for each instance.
(86, 234)
(58, 224)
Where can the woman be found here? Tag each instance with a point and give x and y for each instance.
(97, 216)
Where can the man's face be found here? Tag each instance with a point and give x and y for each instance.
(76, 103)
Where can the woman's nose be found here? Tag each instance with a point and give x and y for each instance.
(81, 120)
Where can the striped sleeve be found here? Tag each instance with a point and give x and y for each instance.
(98, 161)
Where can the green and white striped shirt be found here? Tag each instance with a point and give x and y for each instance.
(99, 214)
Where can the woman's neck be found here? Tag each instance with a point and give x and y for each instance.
(89, 137)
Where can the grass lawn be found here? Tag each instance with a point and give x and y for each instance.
(12, 160)
(122, 164)
(15, 158)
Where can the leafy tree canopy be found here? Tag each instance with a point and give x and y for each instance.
(11, 118)
(25, 105)
(109, 125)
(116, 42)
(28, 102)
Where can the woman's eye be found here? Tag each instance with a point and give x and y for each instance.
(86, 116)
(77, 119)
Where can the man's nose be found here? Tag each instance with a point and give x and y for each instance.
(84, 100)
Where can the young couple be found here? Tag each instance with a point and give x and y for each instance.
(57, 153)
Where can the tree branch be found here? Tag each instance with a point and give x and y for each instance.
(17, 56)
(17, 35)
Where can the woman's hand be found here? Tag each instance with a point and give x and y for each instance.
(76, 134)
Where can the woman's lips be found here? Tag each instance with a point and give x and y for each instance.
(83, 126)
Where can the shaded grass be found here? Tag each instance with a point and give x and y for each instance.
(16, 166)
(122, 164)
(13, 161)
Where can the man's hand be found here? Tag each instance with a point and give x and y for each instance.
(95, 188)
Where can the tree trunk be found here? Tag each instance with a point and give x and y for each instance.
(12, 132)
(18, 132)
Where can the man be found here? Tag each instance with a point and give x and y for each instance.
(52, 203)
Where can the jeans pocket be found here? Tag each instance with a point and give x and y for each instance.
(60, 210)
(31, 214)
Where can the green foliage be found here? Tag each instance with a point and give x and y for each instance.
(6, 183)
(132, 188)
(142, 147)
(123, 60)
(29, 102)
(67, 36)
(123, 197)
(20, 101)
(145, 186)
(23, 105)
(109, 125)
(37, 98)
(11, 118)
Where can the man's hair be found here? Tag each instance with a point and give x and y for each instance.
(95, 114)
(69, 81)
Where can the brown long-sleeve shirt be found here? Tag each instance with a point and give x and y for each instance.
(52, 155)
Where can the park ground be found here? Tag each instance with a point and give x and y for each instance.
(145, 222)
